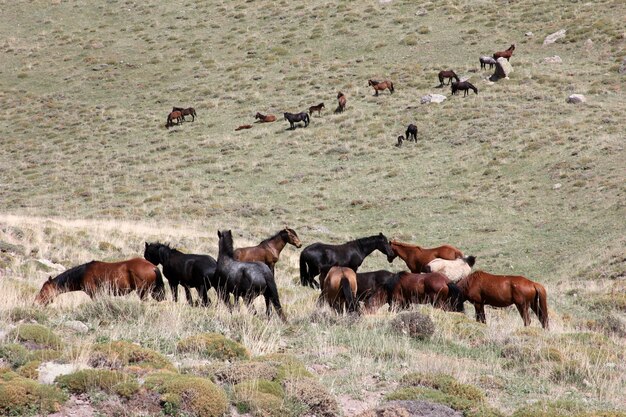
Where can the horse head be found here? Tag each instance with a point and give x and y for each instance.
(385, 247)
(47, 293)
(258, 116)
(225, 242)
(292, 238)
(152, 253)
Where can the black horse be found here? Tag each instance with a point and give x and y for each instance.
(411, 131)
(320, 256)
(294, 118)
(189, 270)
(375, 288)
(465, 86)
(245, 279)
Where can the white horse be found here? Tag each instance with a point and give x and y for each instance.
(454, 270)
(486, 60)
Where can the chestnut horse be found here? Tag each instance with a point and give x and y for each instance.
(417, 258)
(505, 54)
(480, 288)
(449, 75)
(119, 278)
(265, 118)
(269, 250)
(433, 288)
(189, 111)
(175, 115)
(341, 101)
(317, 108)
(381, 86)
(339, 288)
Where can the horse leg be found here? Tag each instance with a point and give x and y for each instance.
(480, 312)
(205, 296)
(523, 311)
(188, 295)
(174, 288)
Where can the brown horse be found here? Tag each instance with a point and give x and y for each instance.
(339, 285)
(381, 86)
(433, 288)
(449, 75)
(189, 111)
(480, 288)
(417, 258)
(341, 100)
(119, 278)
(242, 127)
(175, 115)
(317, 108)
(265, 118)
(505, 54)
(269, 250)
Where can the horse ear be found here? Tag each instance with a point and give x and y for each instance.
(49, 278)
(146, 243)
(219, 234)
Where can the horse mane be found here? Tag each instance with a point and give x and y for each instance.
(405, 245)
(71, 277)
(227, 243)
(274, 236)
(368, 239)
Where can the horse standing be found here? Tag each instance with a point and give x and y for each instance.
(417, 257)
(339, 289)
(486, 60)
(481, 288)
(245, 279)
(341, 101)
(189, 111)
(381, 86)
(454, 269)
(449, 74)
(374, 288)
(297, 117)
(188, 270)
(268, 251)
(318, 256)
(317, 108)
(433, 288)
(465, 86)
(411, 132)
(118, 278)
(265, 118)
(505, 54)
(175, 115)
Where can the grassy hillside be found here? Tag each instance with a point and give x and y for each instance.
(515, 175)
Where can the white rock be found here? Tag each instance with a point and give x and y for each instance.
(77, 326)
(556, 186)
(553, 60)
(554, 37)
(529, 34)
(588, 44)
(51, 264)
(432, 98)
(48, 371)
(576, 98)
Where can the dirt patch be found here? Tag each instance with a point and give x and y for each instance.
(411, 409)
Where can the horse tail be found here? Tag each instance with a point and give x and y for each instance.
(470, 260)
(391, 87)
(541, 303)
(158, 289)
(456, 76)
(308, 120)
(347, 294)
(455, 297)
(305, 278)
(271, 291)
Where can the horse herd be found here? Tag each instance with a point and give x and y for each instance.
(441, 276)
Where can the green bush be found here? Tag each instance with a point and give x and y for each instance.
(314, 395)
(238, 372)
(120, 354)
(20, 396)
(213, 345)
(288, 366)
(36, 334)
(413, 324)
(444, 383)
(29, 370)
(93, 379)
(14, 354)
(262, 398)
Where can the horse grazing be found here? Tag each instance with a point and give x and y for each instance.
(449, 75)
(400, 139)
(486, 60)
(411, 132)
(454, 269)
(118, 278)
(265, 119)
(294, 118)
(317, 108)
(505, 54)
(318, 256)
(188, 270)
(375, 288)
(464, 86)
(433, 288)
(480, 288)
(416, 257)
(341, 101)
(269, 250)
(245, 279)
(175, 115)
(339, 289)
(381, 86)
(189, 111)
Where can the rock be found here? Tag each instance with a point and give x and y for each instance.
(556, 186)
(576, 98)
(528, 34)
(432, 98)
(99, 67)
(588, 44)
(553, 60)
(48, 265)
(421, 12)
(77, 326)
(554, 37)
(503, 69)
(411, 409)
(48, 371)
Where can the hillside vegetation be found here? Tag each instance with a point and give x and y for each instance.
(528, 183)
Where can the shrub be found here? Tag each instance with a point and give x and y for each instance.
(468, 407)
(413, 324)
(36, 334)
(444, 383)
(288, 366)
(20, 396)
(120, 354)
(14, 354)
(312, 393)
(263, 398)
(29, 370)
(563, 408)
(18, 314)
(247, 370)
(92, 379)
(213, 345)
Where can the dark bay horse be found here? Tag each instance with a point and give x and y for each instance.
(269, 250)
(318, 256)
(375, 288)
(449, 74)
(381, 86)
(297, 117)
(505, 54)
(265, 118)
(433, 288)
(175, 115)
(417, 257)
(189, 111)
(481, 288)
(464, 86)
(245, 279)
(411, 132)
(188, 270)
(317, 108)
(341, 101)
(118, 278)
(339, 289)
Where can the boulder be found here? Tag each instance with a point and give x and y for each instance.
(432, 98)
(529, 34)
(77, 326)
(576, 98)
(554, 37)
(553, 60)
(48, 371)
(503, 69)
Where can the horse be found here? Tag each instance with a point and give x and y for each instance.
(433, 288)
(242, 127)
(339, 289)
(317, 108)
(411, 131)
(454, 269)
(341, 101)
(245, 279)
(188, 270)
(417, 257)
(119, 278)
(505, 54)
(480, 288)
(293, 118)
(318, 256)
(269, 250)
(175, 115)
(381, 86)
(265, 119)
(463, 85)
(189, 111)
(374, 288)
(449, 75)
(486, 60)
(400, 139)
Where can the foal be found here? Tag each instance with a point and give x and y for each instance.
(317, 108)
(411, 132)
(265, 118)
